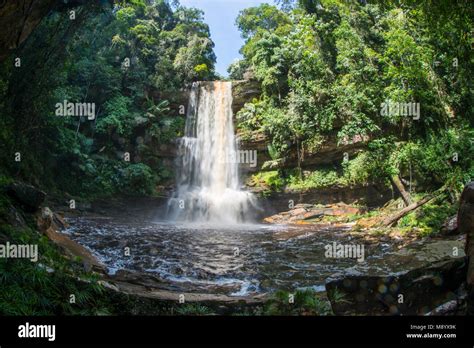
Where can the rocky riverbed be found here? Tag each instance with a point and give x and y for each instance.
(249, 263)
(137, 254)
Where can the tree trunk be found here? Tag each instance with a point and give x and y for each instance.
(300, 172)
(401, 189)
(394, 218)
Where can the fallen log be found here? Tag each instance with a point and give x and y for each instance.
(389, 221)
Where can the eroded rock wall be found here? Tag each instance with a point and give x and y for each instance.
(18, 20)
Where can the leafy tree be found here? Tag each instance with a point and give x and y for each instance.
(327, 68)
(129, 60)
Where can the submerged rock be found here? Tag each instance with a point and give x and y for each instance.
(448, 308)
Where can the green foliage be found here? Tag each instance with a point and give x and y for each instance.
(264, 17)
(108, 177)
(237, 69)
(138, 179)
(315, 180)
(250, 117)
(117, 117)
(443, 158)
(359, 170)
(306, 302)
(429, 218)
(167, 129)
(44, 288)
(326, 67)
(271, 180)
(193, 310)
(192, 61)
(130, 61)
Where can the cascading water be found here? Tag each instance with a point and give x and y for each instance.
(208, 187)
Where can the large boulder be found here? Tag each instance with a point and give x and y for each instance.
(466, 226)
(415, 292)
(27, 195)
(46, 219)
(50, 223)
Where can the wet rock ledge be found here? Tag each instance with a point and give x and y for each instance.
(466, 226)
(416, 292)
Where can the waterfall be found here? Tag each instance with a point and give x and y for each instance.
(208, 185)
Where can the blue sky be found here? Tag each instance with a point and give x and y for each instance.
(220, 15)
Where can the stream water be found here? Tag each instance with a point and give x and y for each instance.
(240, 261)
(213, 259)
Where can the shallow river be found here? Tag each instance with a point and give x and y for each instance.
(233, 261)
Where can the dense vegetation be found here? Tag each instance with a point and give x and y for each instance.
(327, 67)
(131, 61)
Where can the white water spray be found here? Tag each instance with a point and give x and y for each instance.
(208, 187)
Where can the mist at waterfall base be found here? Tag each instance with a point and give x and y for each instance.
(208, 184)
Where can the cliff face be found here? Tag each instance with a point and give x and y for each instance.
(244, 91)
(18, 19)
(328, 152)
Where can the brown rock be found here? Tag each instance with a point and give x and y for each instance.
(244, 91)
(313, 214)
(303, 212)
(19, 19)
(49, 223)
(47, 219)
(299, 211)
(344, 209)
(270, 220)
